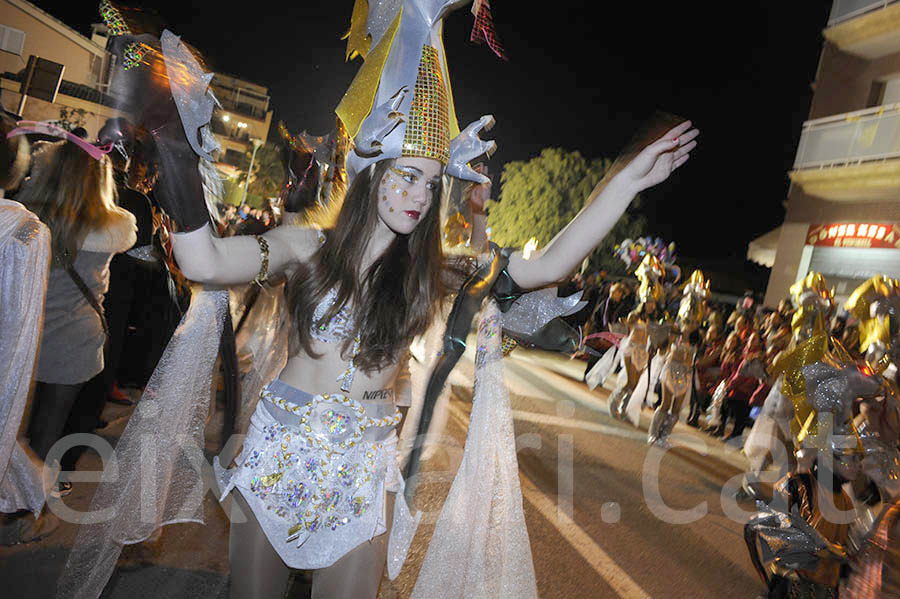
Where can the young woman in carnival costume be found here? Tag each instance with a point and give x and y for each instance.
(677, 374)
(320, 458)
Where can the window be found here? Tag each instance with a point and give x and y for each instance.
(12, 40)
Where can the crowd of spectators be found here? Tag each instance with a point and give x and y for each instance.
(244, 220)
(739, 344)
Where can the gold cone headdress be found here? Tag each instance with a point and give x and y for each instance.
(428, 122)
(400, 102)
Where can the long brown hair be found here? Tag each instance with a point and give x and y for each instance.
(72, 193)
(395, 299)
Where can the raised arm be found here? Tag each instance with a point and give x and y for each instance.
(605, 206)
(205, 258)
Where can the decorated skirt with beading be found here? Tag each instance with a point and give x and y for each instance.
(314, 469)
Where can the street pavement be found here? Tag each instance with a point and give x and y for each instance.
(607, 515)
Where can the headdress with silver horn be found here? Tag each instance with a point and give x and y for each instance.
(401, 103)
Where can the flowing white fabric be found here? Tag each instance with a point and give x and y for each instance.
(645, 388)
(157, 477)
(714, 417)
(24, 266)
(771, 429)
(426, 350)
(604, 366)
(480, 544)
(262, 348)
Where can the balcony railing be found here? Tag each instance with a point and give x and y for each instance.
(851, 138)
(843, 10)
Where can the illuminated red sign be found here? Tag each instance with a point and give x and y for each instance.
(855, 235)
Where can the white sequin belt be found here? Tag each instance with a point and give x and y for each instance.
(333, 422)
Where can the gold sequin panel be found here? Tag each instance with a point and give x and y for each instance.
(428, 122)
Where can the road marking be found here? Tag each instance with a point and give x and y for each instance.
(624, 586)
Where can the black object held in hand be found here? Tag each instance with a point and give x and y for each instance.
(465, 307)
(144, 92)
(179, 189)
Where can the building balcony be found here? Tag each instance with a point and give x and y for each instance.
(244, 109)
(866, 28)
(851, 157)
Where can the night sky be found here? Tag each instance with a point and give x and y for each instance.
(580, 75)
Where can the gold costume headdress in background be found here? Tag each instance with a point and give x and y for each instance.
(692, 308)
(871, 304)
(649, 272)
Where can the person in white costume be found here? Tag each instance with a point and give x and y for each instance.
(318, 471)
(24, 266)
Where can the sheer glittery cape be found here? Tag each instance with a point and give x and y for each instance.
(480, 544)
(158, 471)
(24, 265)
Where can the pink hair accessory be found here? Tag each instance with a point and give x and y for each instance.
(25, 127)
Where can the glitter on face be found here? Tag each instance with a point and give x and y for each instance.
(312, 465)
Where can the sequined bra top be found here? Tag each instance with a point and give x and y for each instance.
(338, 328)
(341, 325)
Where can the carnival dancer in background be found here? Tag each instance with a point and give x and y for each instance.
(876, 304)
(805, 533)
(677, 375)
(635, 349)
(771, 440)
(659, 334)
(318, 469)
(607, 318)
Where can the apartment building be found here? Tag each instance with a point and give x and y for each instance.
(244, 117)
(843, 208)
(27, 30)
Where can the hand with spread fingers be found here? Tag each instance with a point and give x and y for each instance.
(468, 146)
(656, 162)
